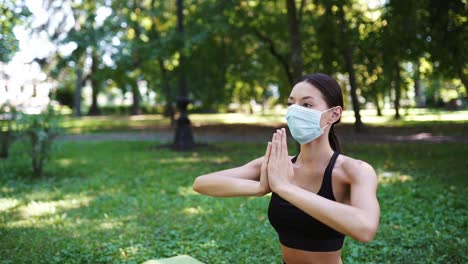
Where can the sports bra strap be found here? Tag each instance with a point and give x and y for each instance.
(327, 188)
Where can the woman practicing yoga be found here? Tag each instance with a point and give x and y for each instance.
(318, 196)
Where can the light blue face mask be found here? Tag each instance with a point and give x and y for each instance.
(304, 123)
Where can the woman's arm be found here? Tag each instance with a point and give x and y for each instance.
(247, 180)
(359, 220)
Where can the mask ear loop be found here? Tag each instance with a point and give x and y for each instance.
(327, 111)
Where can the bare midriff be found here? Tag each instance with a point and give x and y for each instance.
(297, 256)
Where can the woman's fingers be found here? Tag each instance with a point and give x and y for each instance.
(284, 147)
(278, 143)
(274, 148)
(267, 156)
(267, 152)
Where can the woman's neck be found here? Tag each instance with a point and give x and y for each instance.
(316, 151)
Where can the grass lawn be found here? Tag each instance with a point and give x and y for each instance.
(446, 122)
(127, 202)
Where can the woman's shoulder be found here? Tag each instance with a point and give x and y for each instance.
(355, 169)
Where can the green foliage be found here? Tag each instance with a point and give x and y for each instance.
(65, 93)
(234, 50)
(13, 13)
(127, 202)
(39, 131)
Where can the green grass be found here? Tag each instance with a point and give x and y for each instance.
(442, 121)
(127, 202)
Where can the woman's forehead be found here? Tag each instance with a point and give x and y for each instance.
(305, 89)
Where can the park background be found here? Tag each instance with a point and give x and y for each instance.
(110, 109)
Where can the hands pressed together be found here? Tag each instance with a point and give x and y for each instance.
(277, 170)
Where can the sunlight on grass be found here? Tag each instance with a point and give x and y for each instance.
(274, 119)
(7, 203)
(147, 117)
(5, 190)
(389, 177)
(237, 118)
(463, 116)
(419, 115)
(110, 224)
(193, 211)
(220, 160)
(64, 162)
(42, 208)
(185, 191)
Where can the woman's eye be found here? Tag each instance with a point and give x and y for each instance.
(307, 105)
(289, 104)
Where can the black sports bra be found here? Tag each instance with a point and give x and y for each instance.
(297, 229)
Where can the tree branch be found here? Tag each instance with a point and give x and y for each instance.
(301, 10)
(282, 60)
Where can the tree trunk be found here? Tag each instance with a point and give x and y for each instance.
(347, 52)
(94, 110)
(294, 40)
(358, 125)
(184, 136)
(136, 110)
(397, 87)
(377, 100)
(78, 88)
(5, 140)
(136, 96)
(169, 110)
(418, 92)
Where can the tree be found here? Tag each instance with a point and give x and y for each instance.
(183, 137)
(402, 40)
(338, 40)
(347, 51)
(447, 38)
(87, 37)
(13, 13)
(294, 21)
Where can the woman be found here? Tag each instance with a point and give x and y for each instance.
(319, 195)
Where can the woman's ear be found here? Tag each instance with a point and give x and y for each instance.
(336, 113)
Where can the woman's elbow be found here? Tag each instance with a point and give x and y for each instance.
(366, 237)
(366, 234)
(197, 184)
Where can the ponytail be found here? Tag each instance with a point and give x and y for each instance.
(333, 139)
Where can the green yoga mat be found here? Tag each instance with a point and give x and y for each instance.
(181, 259)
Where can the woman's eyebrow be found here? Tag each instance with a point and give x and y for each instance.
(303, 98)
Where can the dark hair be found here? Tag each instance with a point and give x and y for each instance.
(333, 96)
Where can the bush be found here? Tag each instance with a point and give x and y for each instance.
(65, 96)
(39, 132)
